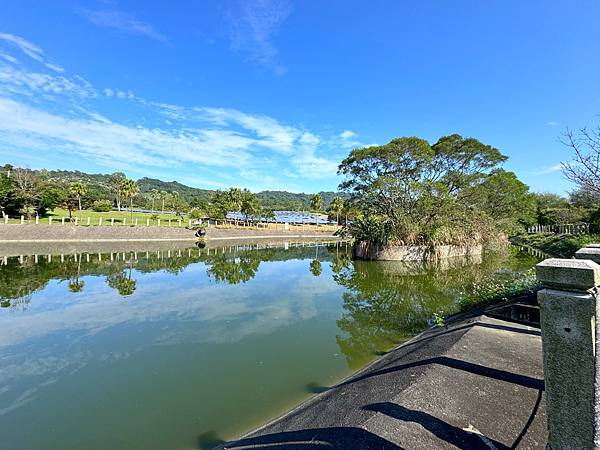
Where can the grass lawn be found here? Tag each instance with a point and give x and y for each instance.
(126, 218)
(559, 245)
(120, 218)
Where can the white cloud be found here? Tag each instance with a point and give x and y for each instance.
(118, 20)
(8, 58)
(274, 135)
(552, 124)
(548, 169)
(347, 134)
(30, 49)
(21, 81)
(55, 67)
(44, 112)
(253, 24)
(107, 141)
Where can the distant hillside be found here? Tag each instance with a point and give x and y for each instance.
(277, 200)
(187, 193)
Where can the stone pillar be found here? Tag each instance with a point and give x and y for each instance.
(568, 310)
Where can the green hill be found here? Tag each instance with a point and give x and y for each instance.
(98, 187)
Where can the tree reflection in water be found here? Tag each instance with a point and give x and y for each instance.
(388, 302)
(383, 302)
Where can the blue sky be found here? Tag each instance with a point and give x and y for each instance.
(272, 94)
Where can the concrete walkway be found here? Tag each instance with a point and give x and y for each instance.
(477, 384)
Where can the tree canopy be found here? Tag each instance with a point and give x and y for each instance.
(413, 192)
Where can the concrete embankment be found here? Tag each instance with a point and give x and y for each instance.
(71, 233)
(225, 234)
(11, 234)
(476, 384)
(368, 251)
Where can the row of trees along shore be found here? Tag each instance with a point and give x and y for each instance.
(36, 192)
(409, 192)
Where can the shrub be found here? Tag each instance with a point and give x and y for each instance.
(102, 206)
(196, 214)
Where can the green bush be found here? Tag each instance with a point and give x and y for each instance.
(196, 214)
(102, 206)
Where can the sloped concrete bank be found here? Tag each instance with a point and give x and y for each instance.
(16, 233)
(368, 251)
(477, 383)
(71, 233)
(215, 234)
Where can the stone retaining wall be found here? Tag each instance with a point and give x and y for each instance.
(72, 233)
(236, 233)
(364, 250)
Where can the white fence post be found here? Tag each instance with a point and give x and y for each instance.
(88, 221)
(112, 221)
(22, 220)
(62, 220)
(76, 218)
(136, 222)
(158, 222)
(49, 220)
(5, 220)
(99, 221)
(37, 220)
(147, 222)
(124, 220)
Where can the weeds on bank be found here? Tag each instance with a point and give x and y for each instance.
(512, 285)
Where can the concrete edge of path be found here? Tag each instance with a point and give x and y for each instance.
(457, 325)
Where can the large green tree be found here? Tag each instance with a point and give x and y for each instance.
(129, 189)
(410, 191)
(78, 189)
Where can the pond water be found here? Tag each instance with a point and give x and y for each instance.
(179, 349)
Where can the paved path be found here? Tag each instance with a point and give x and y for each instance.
(476, 385)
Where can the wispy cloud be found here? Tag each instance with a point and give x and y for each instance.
(548, 169)
(122, 21)
(552, 123)
(43, 112)
(253, 24)
(30, 49)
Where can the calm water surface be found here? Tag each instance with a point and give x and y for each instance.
(179, 349)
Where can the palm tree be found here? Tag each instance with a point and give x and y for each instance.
(154, 195)
(78, 189)
(174, 199)
(129, 188)
(163, 196)
(337, 206)
(316, 203)
(76, 285)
